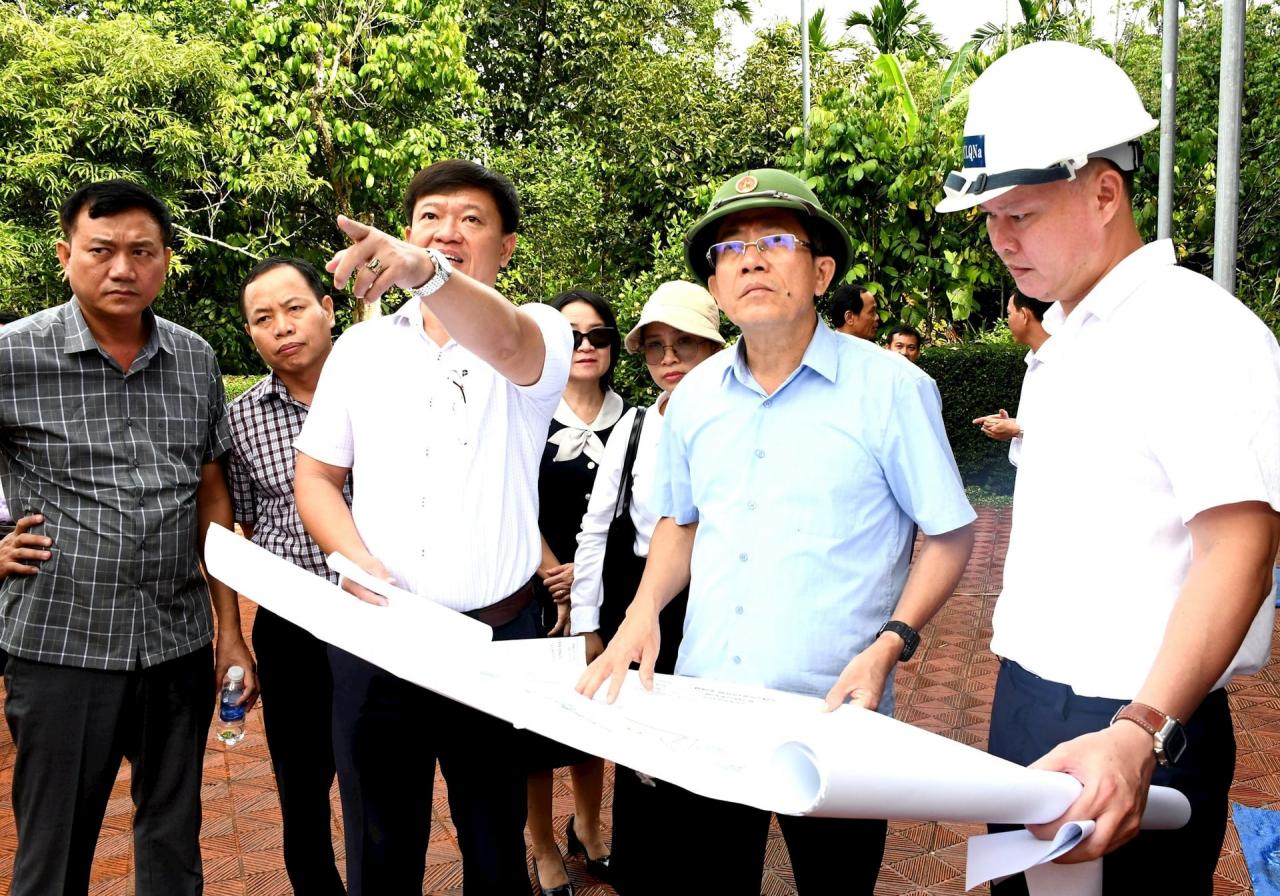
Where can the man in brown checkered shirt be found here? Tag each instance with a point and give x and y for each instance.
(289, 317)
(111, 428)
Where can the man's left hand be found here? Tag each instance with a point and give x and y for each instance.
(862, 681)
(1115, 767)
(231, 650)
(397, 263)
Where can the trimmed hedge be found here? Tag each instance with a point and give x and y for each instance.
(977, 379)
(238, 385)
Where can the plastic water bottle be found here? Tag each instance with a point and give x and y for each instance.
(231, 716)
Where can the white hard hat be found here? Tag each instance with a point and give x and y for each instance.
(1039, 113)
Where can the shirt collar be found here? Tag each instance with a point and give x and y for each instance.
(408, 314)
(1119, 283)
(821, 356)
(79, 338)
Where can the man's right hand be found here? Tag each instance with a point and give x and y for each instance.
(373, 566)
(636, 640)
(20, 548)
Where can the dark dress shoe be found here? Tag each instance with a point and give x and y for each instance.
(599, 868)
(565, 889)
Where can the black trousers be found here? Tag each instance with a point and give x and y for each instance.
(71, 727)
(724, 846)
(388, 734)
(1030, 716)
(297, 712)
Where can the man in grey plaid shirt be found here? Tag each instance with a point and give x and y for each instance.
(111, 427)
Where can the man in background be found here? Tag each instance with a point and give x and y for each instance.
(853, 311)
(904, 340)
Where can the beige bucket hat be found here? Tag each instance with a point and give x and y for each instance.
(685, 306)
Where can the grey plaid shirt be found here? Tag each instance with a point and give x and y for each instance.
(264, 422)
(112, 459)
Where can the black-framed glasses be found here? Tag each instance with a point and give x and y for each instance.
(599, 337)
(685, 348)
(735, 249)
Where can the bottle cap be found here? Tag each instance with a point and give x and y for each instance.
(236, 673)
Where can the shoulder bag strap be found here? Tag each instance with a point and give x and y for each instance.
(623, 503)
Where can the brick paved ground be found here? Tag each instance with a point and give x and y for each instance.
(947, 688)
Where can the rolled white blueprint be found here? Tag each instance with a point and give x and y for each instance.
(860, 764)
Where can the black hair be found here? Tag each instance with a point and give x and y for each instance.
(906, 330)
(1026, 303)
(596, 301)
(314, 281)
(8, 317)
(452, 175)
(846, 298)
(111, 197)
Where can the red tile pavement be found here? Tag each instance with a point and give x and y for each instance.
(947, 688)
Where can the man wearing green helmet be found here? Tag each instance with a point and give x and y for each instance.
(789, 479)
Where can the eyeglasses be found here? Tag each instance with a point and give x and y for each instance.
(599, 337)
(685, 348)
(735, 249)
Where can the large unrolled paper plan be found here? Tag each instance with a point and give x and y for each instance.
(764, 748)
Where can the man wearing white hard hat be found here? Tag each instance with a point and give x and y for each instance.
(1138, 569)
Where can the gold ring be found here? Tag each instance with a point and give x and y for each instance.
(374, 264)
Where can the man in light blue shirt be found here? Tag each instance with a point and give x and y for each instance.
(792, 469)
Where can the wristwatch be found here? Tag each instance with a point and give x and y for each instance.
(444, 271)
(910, 637)
(1167, 732)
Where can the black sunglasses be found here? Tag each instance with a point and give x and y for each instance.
(599, 337)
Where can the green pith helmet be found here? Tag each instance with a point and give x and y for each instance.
(767, 188)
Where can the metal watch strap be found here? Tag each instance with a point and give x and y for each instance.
(444, 270)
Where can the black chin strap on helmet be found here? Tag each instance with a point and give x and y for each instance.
(1019, 177)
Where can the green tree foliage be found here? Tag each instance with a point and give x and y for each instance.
(261, 120)
(84, 100)
(897, 26)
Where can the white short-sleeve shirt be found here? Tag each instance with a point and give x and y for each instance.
(443, 451)
(1161, 400)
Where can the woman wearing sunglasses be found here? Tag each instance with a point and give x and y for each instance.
(587, 414)
(679, 328)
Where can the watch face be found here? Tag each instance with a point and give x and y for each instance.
(1174, 744)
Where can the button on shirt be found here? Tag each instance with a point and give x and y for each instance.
(112, 458)
(443, 453)
(804, 501)
(1142, 418)
(265, 421)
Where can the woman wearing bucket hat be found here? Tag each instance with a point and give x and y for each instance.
(679, 328)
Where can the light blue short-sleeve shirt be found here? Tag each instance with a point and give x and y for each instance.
(804, 501)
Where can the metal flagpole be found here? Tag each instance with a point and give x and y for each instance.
(1168, 128)
(1227, 207)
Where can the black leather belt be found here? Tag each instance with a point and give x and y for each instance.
(499, 614)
